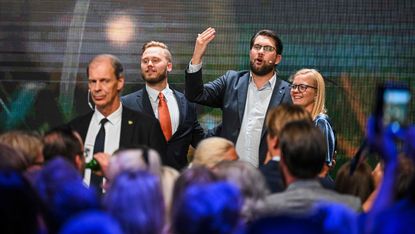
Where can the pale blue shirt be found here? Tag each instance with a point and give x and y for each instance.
(257, 101)
(171, 104)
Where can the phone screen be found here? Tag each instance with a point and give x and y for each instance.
(395, 106)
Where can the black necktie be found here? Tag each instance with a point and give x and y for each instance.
(99, 146)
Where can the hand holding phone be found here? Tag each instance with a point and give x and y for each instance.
(392, 106)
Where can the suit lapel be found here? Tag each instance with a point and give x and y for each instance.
(277, 95)
(145, 102)
(242, 91)
(127, 127)
(181, 102)
(84, 125)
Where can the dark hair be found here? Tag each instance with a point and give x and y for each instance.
(360, 184)
(302, 149)
(271, 34)
(61, 141)
(208, 208)
(115, 62)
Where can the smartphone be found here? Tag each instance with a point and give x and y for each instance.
(392, 106)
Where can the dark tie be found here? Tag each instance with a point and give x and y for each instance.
(164, 117)
(99, 146)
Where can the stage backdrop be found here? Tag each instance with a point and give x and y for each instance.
(46, 45)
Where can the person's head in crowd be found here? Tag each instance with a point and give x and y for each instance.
(133, 159)
(303, 151)
(28, 143)
(188, 177)
(143, 158)
(20, 208)
(105, 82)
(66, 143)
(135, 200)
(308, 91)
(359, 184)
(208, 208)
(249, 180)
(213, 150)
(63, 192)
(11, 159)
(265, 52)
(91, 222)
(192, 175)
(277, 118)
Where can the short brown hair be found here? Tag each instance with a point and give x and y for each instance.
(281, 115)
(149, 44)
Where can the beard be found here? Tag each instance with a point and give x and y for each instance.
(156, 80)
(262, 70)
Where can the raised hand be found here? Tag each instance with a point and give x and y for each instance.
(382, 142)
(103, 160)
(202, 41)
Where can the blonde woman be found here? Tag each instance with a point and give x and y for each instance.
(308, 91)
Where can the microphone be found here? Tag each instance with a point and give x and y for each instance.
(89, 102)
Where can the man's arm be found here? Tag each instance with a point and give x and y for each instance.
(210, 94)
(202, 41)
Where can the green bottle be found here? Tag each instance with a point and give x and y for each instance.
(93, 165)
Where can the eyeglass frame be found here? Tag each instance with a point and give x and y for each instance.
(266, 48)
(299, 87)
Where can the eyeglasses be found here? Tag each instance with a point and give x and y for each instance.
(301, 87)
(267, 48)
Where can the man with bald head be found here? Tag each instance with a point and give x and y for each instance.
(111, 125)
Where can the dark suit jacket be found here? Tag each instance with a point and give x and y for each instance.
(273, 176)
(136, 129)
(189, 131)
(229, 92)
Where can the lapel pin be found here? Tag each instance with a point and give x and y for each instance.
(130, 122)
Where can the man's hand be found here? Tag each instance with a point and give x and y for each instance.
(202, 41)
(103, 160)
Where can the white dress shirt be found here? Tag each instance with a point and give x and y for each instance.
(112, 136)
(171, 104)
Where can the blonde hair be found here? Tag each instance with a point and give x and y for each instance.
(320, 98)
(29, 144)
(279, 116)
(165, 48)
(211, 151)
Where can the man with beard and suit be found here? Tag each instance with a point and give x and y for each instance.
(244, 96)
(180, 127)
(111, 125)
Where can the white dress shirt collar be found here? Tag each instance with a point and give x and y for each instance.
(271, 82)
(113, 118)
(154, 94)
